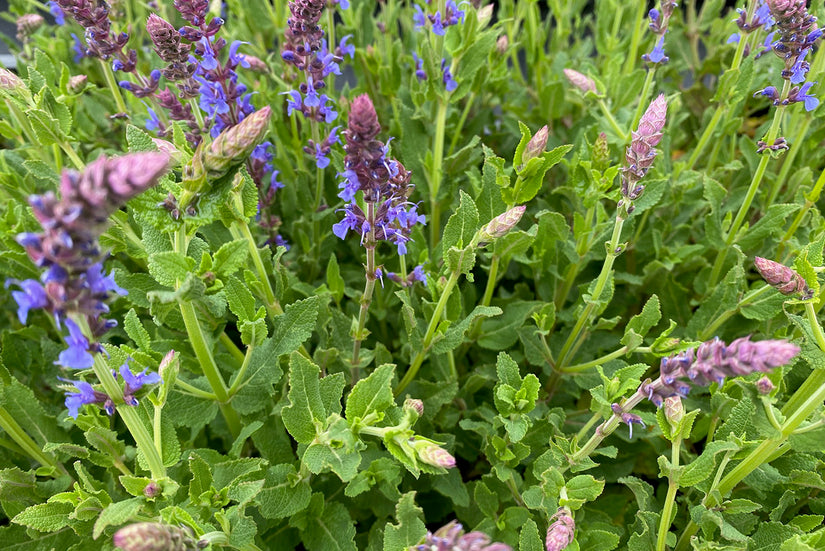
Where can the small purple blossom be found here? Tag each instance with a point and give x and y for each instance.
(135, 382)
(449, 83)
(31, 297)
(658, 53)
(77, 356)
(86, 395)
(628, 418)
(346, 49)
(419, 67)
(57, 13)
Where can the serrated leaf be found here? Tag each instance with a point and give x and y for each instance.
(45, 517)
(284, 493)
(169, 267)
(643, 322)
(304, 416)
(116, 514)
(455, 334)
(409, 529)
(240, 299)
(230, 257)
(371, 395)
(138, 140)
(507, 370)
(529, 538)
(704, 465)
(461, 227)
(136, 331)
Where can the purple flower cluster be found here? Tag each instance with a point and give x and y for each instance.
(797, 32)
(761, 18)
(713, 361)
(73, 281)
(561, 530)
(795, 95)
(101, 41)
(451, 537)
(659, 21)
(438, 22)
(384, 182)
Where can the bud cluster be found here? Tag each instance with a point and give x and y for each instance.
(101, 41)
(153, 536)
(713, 361)
(797, 32)
(580, 81)
(500, 225)
(785, 280)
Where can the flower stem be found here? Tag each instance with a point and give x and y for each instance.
(633, 50)
(435, 174)
(236, 385)
(366, 298)
(113, 87)
(810, 201)
(584, 318)
(435, 319)
(642, 102)
(615, 125)
(670, 500)
(604, 359)
(240, 230)
(750, 297)
(773, 132)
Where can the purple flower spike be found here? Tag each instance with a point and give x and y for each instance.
(77, 355)
(560, 533)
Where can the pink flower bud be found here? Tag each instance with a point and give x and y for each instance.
(764, 385)
(76, 84)
(9, 81)
(500, 225)
(674, 411)
(415, 405)
(536, 145)
(580, 81)
(785, 280)
(153, 536)
(561, 532)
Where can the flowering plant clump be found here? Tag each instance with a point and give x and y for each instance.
(355, 274)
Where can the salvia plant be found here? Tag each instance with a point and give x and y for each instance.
(412, 275)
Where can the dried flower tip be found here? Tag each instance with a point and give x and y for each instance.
(414, 404)
(536, 145)
(233, 146)
(500, 225)
(580, 81)
(674, 410)
(9, 81)
(153, 536)
(27, 24)
(785, 280)
(561, 531)
(76, 84)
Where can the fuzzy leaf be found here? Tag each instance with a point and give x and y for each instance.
(409, 530)
(305, 414)
(461, 227)
(373, 394)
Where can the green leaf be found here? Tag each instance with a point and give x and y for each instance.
(642, 323)
(116, 514)
(534, 175)
(335, 283)
(138, 140)
(336, 451)
(240, 299)
(461, 227)
(409, 529)
(294, 326)
(580, 489)
(284, 493)
(136, 331)
(507, 370)
(373, 394)
(45, 517)
(529, 538)
(705, 465)
(305, 414)
(230, 257)
(169, 267)
(246, 432)
(455, 334)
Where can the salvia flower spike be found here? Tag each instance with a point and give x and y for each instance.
(451, 537)
(561, 530)
(580, 81)
(641, 152)
(153, 536)
(782, 278)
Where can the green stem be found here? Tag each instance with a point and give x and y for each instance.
(773, 132)
(435, 175)
(705, 138)
(604, 359)
(670, 500)
(642, 102)
(751, 296)
(203, 351)
(16, 433)
(460, 126)
(236, 385)
(810, 201)
(584, 318)
(231, 347)
(156, 430)
(195, 390)
(113, 87)
(615, 125)
(633, 50)
(240, 229)
(366, 298)
(587, 426)
(415, 365)
(130, 417)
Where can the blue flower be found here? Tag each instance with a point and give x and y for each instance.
(419, 19)
(419, 67)
(136, 382)
(281, 242)
(329, 113)
(32, 296)
(438, 27)
(77, 355)
(57, 12)
(347, 49)
(235, 58)
(419, 275)
(273, 180)
(153, 122)
(100, 284)
(811, 102)
(312, 98)
(208, 60)
(294, 103)
(74, 400)
(350, 186)
(733, 39)
(449, 83)
(212, 98)
(349, 222)
(658, 53)
(321, 160)
(78, 48)
(800, 69)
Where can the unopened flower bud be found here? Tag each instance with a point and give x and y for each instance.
(415, 405)
(561, 531)
(674, 411)
(432, 454)
(151, 490)
(233, 146)
(484, 15)
(9, 81)
(256, 64)
(500, 225)
(502, 44)
(27, 24)
(580, 81)
(76, 84)
(764, 385)
(153, 536)
(785, 280)
(536, 145)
